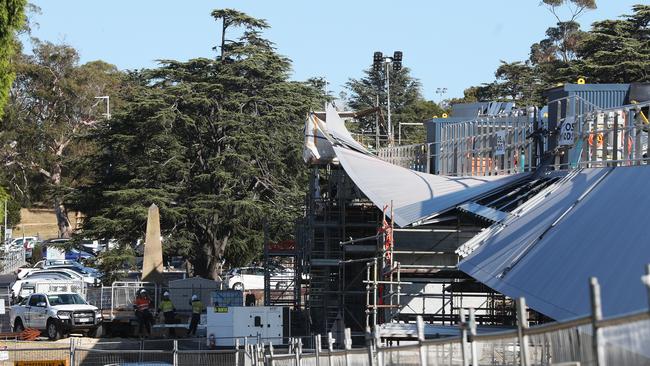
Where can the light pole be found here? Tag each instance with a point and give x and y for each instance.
(442, 92)
(380, 61)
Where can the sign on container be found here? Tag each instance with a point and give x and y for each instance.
(566, 132)
(501, 143)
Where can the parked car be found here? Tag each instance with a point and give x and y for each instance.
(58, 264)
(26, 242)
(252, 278)
(57, 314)
(60, 274)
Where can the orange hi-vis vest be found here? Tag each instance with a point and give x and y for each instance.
(142, 304)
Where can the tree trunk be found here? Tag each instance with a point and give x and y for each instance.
(210, 263)
(65, 229)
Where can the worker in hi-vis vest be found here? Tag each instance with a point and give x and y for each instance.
(197, 309)
(168, 311)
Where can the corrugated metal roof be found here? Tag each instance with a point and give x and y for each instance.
(415, 195)
(594, 223)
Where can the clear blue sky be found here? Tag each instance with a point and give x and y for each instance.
(451, 43)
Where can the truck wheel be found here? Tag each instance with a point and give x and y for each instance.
(238, 286)
(18, 326)
(96, 332)
(53, 332)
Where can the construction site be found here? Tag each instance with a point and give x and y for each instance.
(395, 233)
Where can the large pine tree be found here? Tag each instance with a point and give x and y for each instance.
(216, 144)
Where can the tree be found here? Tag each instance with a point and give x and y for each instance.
(562, 39)
(52, 104)
(216, 144)
(617, 51)
(12, 17)
(407, 103)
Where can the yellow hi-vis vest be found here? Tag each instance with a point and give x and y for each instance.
(197, 307)
(166, 306)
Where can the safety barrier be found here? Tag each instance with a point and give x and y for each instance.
(589, 340)
(76, 353)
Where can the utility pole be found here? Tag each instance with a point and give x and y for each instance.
(377, 123)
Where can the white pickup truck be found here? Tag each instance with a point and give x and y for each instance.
(56, 314)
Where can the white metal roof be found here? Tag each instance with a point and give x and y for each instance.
(594, 223)
(415, 196)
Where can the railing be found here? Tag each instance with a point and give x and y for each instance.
(12, 259)
(494, 145)
(589, 340)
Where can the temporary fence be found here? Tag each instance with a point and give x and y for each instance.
(76, 353)
(590, 340)
(11, 260)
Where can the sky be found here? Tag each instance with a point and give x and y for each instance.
(449, 44)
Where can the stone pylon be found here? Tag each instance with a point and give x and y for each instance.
(152, 264)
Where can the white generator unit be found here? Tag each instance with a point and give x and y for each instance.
(244, 321)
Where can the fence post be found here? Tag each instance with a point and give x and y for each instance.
(378, 352)
(347, 343)
(317, 345)
(522, 325)
(294, 345)
(72, 351)
(370, 346)
(271, 354)
(237, 352)
(422, 348)
(330, 348)
(596, 316)
(472, 333)
(175, 352)
(646, 281)
(463, 337)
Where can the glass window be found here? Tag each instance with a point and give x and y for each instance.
(33, 300)
(65, 299)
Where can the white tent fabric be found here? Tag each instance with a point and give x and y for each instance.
(336, 128)
(317, 148)
(593, 224)
(414, 195)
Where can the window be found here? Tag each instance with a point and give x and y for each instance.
(65, 299)
(35, 299)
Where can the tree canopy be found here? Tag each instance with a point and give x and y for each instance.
(12, 16)
(215, 143)
(612, 51)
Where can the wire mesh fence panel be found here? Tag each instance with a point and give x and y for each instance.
(447, 354)
(337, 359)
(12, 356)
(209, 358)
(359, 357)
(94, 357)
(627, 344)
(565, 345)
(404, 356)
(500, 352)
(5, 296)
(284, 360)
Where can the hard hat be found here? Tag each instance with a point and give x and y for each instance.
(166, 293)
(194, 297)
(143, 291)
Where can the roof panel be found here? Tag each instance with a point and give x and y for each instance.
(414, 195)
(599, 230)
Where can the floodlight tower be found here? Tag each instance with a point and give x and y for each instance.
(380, 61)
